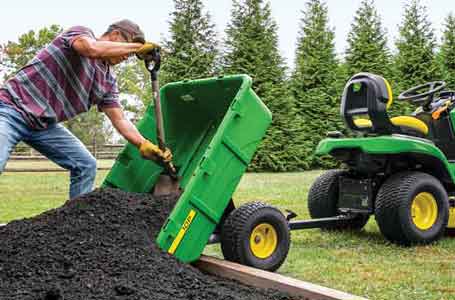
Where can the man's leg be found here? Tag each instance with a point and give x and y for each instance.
(13, 129)
(59, 145)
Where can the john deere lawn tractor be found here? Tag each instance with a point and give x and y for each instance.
(400, 169)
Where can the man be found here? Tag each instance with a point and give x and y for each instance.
(63, 80)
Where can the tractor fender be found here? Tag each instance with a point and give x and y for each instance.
(423, 150)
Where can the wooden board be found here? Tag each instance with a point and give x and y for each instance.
(264, 279)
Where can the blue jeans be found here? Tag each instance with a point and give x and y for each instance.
(56, 143)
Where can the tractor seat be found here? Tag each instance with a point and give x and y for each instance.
(364, 104)
(405, 122)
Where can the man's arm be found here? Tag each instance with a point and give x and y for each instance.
(92, 48)
(124, 126)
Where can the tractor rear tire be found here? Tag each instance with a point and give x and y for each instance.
(256, 235)
(412, 208)
(323, 201)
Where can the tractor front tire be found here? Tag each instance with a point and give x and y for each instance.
(256, 235)
(323, 201)
(412, 208)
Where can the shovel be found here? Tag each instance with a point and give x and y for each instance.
(168, 182)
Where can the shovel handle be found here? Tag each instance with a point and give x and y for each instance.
(158, 115)
(169, 166)
(170, 169)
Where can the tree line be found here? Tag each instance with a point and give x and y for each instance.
(305, 99)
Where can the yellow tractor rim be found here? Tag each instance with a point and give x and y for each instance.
(263, 240)
(424, 210)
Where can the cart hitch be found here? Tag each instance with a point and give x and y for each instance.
(290, 215)
(321, 222)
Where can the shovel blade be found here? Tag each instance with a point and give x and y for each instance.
(166, 186)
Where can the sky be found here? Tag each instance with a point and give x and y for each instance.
(153, 16)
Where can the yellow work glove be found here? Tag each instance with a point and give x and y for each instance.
(145, 50)
(151, 151)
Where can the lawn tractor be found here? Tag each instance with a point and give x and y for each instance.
(400, 169)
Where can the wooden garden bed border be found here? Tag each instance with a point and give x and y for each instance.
(268, 280)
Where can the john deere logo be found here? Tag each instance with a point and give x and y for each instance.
(187, 98)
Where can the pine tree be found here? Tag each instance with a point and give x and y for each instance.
(367, 43)
(415, 62)
(447, 53)
(314, 82)
(252, 48)
(192, 48)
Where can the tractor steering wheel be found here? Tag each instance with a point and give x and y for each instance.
(423, 93)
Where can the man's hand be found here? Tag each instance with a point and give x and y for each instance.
(145, 50)
(167, 155)
(151, 151)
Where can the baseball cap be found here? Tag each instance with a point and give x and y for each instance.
(130, 30)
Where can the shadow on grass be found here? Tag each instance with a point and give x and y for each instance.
(326, 239)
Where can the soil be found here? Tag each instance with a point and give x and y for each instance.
(101, 246)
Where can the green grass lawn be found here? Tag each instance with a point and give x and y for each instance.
(359, 263)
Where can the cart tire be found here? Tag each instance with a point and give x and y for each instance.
(323, 199)
(256, 235)
(412, 208)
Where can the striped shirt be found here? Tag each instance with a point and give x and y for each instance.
(58, 83)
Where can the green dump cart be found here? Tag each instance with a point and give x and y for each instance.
(213, 127)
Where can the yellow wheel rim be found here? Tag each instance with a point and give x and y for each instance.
(263, 240)
(424, 210)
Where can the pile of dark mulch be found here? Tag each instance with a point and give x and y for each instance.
(102, 246)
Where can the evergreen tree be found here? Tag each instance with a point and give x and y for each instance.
(367, 43)
(192, 48)
(415, 62)
(252, 48)
(447, 53)
(314, 82)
